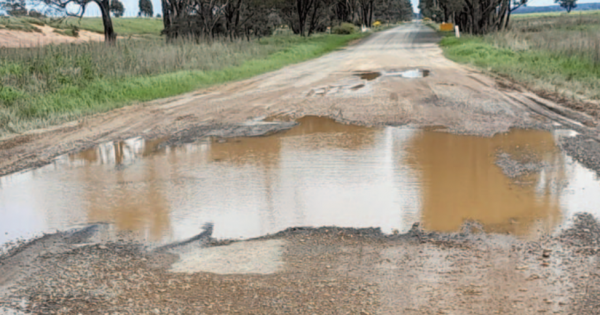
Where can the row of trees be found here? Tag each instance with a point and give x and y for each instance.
(477, 16)
(472, 16)
(236, 18)
(240, 18)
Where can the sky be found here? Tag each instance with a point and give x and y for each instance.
(132, 9)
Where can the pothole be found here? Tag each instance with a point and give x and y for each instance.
(409, 74)
(316, 173)
(369, 76)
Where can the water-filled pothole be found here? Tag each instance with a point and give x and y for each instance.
(319, 173)
(409, 74)
(369, 76)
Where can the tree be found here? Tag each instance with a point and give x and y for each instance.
(303, 8)
(193, 17)
(366, 11)
(347, 11)
(307, 16)
(81, 5)
(117, 8)
(393, 11)
(567, 4)
(14, 7)
(146, 8)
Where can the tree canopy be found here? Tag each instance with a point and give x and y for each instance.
(238, 18)
(117, 8)
(14, 7)
(146, 8)
(567, 4)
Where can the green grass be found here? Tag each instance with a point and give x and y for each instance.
(53, 84)
(552, 14)
(18, 24)
(557, 54)
(123, 26)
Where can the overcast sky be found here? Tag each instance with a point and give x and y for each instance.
(132, 8)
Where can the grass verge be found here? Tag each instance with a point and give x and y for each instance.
(568, 76)
(557, 55)
(49, 85)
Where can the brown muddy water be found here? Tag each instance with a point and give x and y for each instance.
(369, 76)
(320, 173)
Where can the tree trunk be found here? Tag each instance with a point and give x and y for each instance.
(110, 37)
(301, 15)
(370, 21)
(313, 19)
(303, 7)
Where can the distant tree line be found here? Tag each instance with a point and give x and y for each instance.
(472, 16)
(244, 18)
(237, 18)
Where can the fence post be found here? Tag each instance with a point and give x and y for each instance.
(456, 31)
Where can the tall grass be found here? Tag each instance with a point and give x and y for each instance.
(565, 35)
(554, 53)
(52, 84)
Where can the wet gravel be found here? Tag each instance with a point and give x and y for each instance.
(327, 270)
(584, 150)
(514, 168)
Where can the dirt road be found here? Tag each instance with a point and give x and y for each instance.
(396, 77)
(460, 98)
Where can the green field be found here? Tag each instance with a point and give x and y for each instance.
(551, 14)
(123, 26)
(557, 54)
(52, 84)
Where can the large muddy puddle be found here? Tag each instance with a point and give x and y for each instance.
(319, 173)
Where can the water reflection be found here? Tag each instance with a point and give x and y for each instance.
(461, 181)
(319, 173)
